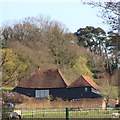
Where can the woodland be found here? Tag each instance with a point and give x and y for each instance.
(40, 42)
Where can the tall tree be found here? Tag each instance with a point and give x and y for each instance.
(45, 43)
(59, 45)
(80, 67)
(110, 12)
(112, 45)
(91, 38)
(102, 44)
(12, 67)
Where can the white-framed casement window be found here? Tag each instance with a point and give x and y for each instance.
(41, 93)
(95, 91)
(86, 89)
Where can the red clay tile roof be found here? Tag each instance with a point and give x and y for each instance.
(84, 81)
(46, 79)
(91, 82)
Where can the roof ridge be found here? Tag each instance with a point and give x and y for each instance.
(43, 76)
(93, 85)
(63, 78)
(77, 80)
(40, 71)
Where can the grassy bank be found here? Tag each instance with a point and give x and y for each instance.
(7, 88)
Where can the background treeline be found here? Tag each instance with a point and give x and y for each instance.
(39, 42)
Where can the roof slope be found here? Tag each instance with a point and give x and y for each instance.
(91, 82)
(84, 81)
(46, 79)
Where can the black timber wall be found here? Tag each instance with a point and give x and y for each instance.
(25, 91)
(65, 93)
(73, 93)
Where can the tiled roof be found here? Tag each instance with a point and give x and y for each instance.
(83, 81)
(52, 78)
(91, 82)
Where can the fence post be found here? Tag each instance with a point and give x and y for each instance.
(32, 114)
(43, 113)
(67, 113)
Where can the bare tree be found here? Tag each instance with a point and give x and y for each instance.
(109, 11)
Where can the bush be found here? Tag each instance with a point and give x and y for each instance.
(13, 97)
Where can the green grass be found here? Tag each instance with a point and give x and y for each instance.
(44, 114)
(61, 113)
(92, 114)
(72, 114)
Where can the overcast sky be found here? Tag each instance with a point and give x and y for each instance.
(73, 15)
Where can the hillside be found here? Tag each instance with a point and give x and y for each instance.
(46, 44)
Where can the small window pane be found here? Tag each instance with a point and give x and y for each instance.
(86, 88)
(42, 93)
(37, 94)
(28, 92)
(46, 93)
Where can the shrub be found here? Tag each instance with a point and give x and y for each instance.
(13, 97)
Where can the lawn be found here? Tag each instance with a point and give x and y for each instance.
(61, 113)
(44, 114)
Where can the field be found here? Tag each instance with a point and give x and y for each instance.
(56, 113)
(61, 113)
(33, 108)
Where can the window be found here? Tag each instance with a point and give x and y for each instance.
(41, 93)
(46, 93)
(95, 91)
(28, 92)
(86, 89)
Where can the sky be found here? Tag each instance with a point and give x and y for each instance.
(72, 14)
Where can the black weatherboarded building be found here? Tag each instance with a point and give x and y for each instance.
(45, 83)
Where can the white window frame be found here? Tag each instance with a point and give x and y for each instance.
(41, 94)
(86, 89)
(95, 91)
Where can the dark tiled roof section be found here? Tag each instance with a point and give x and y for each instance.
(46, 79)
(84, 81)
(64, 79)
